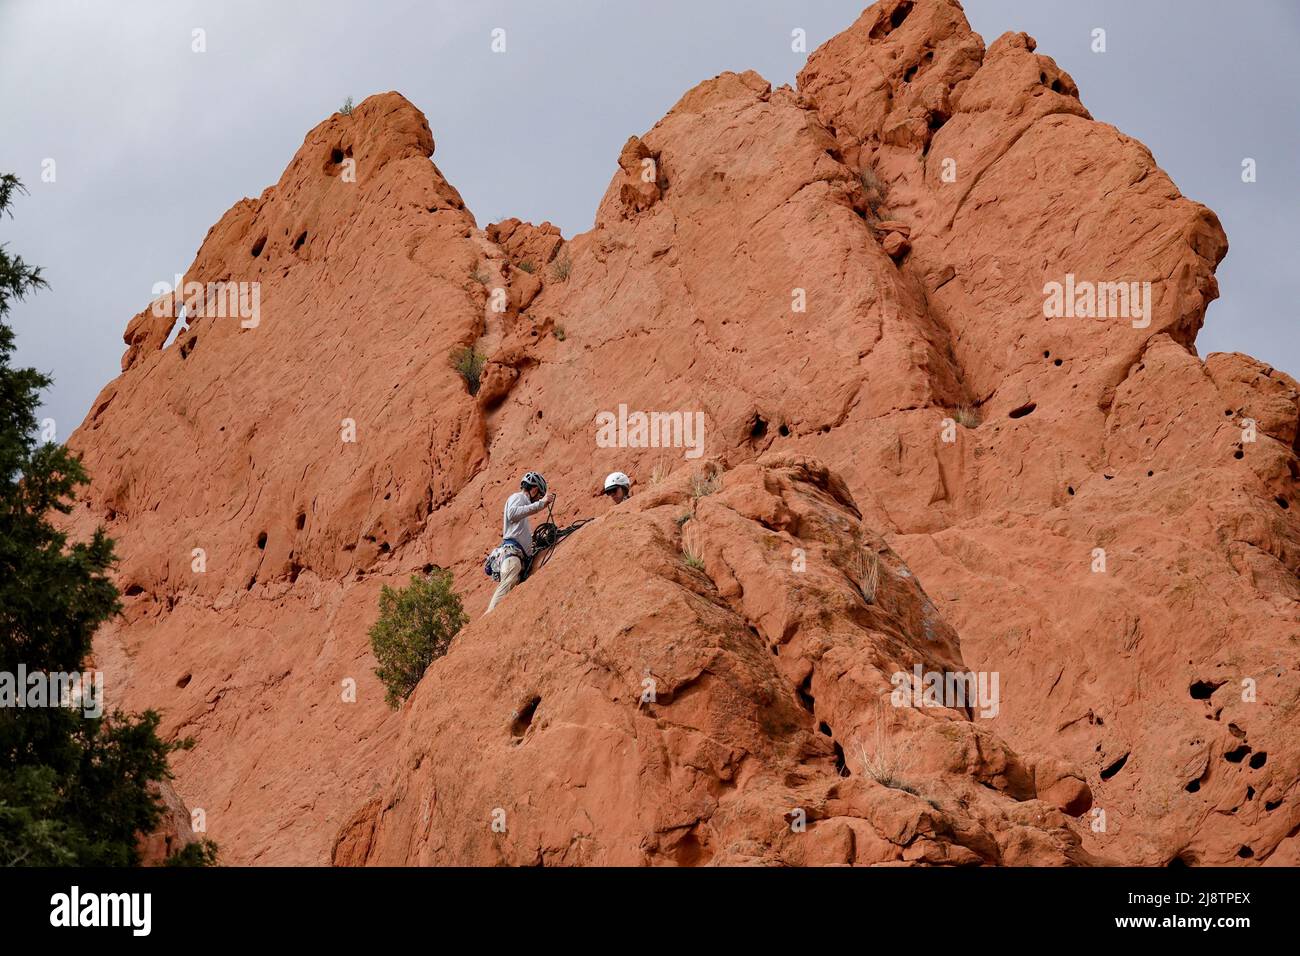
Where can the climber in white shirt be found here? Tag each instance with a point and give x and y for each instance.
(511, 558)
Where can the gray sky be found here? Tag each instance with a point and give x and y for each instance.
(153, 142)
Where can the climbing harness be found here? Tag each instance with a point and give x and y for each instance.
(548, 534)
(496, 557)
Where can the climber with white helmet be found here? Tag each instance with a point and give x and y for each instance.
(618, 486)
(510, 560)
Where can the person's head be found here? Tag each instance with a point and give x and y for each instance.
(534, 485)
(618, 486)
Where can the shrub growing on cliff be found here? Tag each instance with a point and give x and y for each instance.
(469, 362)
(691, 548)
(74, 782)
(705, 483)
(874, 192)
(967, 417)
(415, 627)
(199, 853)
(883, 762)
(867, 573)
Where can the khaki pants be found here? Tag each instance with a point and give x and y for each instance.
(511, 568)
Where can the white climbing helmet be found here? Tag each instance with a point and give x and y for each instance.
(616, 479)
(533, 480)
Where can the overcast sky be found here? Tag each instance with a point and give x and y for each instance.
(153, 142)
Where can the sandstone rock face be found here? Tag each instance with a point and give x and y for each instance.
(174, 831)
(920, 463)
(652, 711)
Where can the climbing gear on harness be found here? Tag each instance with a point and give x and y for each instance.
(496, 557)
(533, 480)
(616, 479)
(548, 534)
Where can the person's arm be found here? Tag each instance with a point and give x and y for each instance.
(518, 511)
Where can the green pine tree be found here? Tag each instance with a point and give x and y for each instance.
(74, 790)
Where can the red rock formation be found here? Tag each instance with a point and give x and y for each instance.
(173, 832)
(852, 274)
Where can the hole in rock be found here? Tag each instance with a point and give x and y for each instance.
(258, 246)
(784, 430)
(185, 681)
(1057, 363)
(1070, 489)
(805, 693)
(1047, 354)
(1245, 853)
(689, 851)
(910, 72)
(1179, 862)
(1271, 805)
(1193, 786)
(1057, 86)
(301, 520)
(1023, 410)
(1204, 689)
(1258, 760)
(1237, 755)
(1282, 503)
(383, 548)
(884, 27)
(1227, 411)
(295, 569)
(524, 719)
(336, 156)
(1150, 474)
(133, 590)
(1250, 793)
(757, 428)
(1114, 768)
(825, 728)
(261, 541)
(297, 243)
(841, 767)
(1239, 454)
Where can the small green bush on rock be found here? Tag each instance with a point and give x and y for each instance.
(415, 627)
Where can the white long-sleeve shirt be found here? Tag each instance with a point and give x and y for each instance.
(515, 523)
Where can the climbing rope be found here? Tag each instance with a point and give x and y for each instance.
(547, 535)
